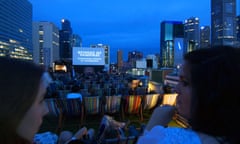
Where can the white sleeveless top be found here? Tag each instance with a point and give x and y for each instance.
(169, 135)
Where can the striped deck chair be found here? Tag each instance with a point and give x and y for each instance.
(180, 120)
(72, 108)
(150, 101)
(54, 111)
(132, 105)
(113, 104)
(52, 107)
(169, 99)
(92, 105)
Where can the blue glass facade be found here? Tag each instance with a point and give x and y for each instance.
(169, 31)
(191, 34)
(238, 30)
(223, 24)
(65, 40)
(16, 29)
(205, 36)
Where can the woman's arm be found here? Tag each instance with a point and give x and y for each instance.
(161, 115)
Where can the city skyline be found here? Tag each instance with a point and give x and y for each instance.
(125, 25)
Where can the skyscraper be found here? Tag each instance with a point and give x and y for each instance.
(106, 53)
(16, 29)
(133, 56)
(76, 40)
(204, 36)
(178, 52)
(223, 24)
(119, 59)
(169, 31)
(191, 34)
(45, 43)
(65, 40)
(238, 30)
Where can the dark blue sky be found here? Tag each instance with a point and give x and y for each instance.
(123, 24)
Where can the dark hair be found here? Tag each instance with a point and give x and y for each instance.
(75, 88)
(167, 89)
(215, 77)
(19, 84)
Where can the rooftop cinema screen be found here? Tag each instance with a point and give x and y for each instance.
(88, 56)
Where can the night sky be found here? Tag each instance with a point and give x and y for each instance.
(122, 24)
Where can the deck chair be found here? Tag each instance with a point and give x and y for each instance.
(71, 108)
(112, 104)
(170, 99)
(54, 111)
(132, 104)
(150, 101)
(91, 106)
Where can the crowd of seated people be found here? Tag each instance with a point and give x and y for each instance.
(93, 84)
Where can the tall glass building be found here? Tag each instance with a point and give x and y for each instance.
(106, 53)
(205, 36)
(45, 43)
(223, 24)
(169, 31)
(238, 30)
(191, 34)
(76, 40)
(65, 40)
(16, 29)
